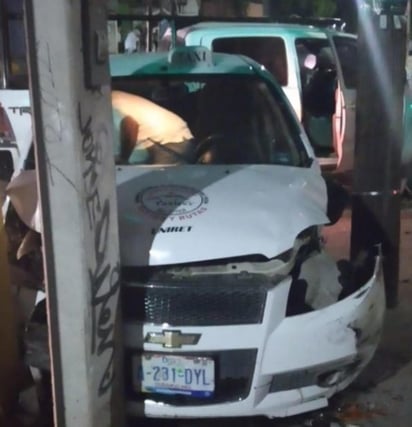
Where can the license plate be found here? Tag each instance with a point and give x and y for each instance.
(169, 374)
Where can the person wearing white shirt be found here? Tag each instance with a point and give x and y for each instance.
(132, 41)
(147, 132)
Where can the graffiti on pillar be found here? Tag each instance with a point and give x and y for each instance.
(104, 276)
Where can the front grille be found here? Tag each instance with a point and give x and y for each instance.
(198, 301)
(234, 371)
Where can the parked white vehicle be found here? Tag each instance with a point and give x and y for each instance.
(317, 69)
(314, 66)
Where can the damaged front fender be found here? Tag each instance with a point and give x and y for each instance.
(321, 352)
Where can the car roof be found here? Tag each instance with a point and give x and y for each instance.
(158, 63)
(257, 27)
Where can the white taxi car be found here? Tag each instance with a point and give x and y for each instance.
(231, 305)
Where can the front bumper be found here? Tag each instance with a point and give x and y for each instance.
(298, 362)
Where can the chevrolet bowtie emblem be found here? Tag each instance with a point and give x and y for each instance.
(172, 339)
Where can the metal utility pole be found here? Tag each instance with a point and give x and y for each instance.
(376, 186)
(70, 95)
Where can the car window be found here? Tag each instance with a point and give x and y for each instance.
(316, 48)
(346, 49)
(225, 119)
(268, 51)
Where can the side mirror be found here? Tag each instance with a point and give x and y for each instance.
(338, 200)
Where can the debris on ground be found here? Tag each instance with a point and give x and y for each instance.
(356, 412)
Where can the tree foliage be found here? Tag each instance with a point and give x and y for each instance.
(324, 8)
(345, 9)
(304, 8)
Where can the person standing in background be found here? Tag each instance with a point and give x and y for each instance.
(132, 41)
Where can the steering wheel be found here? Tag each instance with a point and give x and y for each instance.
(206, 144)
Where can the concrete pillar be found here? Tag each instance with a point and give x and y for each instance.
(76, 176)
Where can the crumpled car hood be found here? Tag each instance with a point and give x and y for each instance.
(194, 213)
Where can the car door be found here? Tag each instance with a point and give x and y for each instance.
(345, 50)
